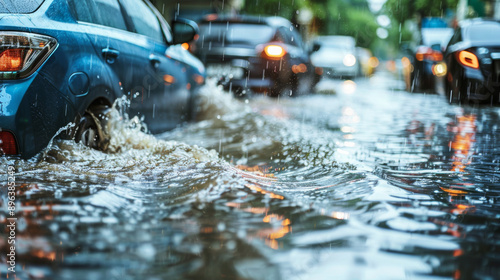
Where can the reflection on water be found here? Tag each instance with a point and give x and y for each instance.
(462, 144)
(368, 184)
(349, 87)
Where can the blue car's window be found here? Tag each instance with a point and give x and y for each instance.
(109, 14)
(103, 12)
(19, 7)
(82, 11)
(143, 19)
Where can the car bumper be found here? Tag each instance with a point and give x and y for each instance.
(478, 90)
(254, 75)
(340, 70)
(240, 86)
(479, 87)
(33, 110)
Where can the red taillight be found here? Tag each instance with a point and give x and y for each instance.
(437, 56)
(318, 70)
(468, 59)
(429, 54)
(301, 68)
(8, 145)
(274, 51)
(11, 60)
(22, 53)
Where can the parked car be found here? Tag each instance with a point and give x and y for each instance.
(473, 61)
(428, 61)
(255, 54)
(336, 55)
(66, 61)
(367, 62)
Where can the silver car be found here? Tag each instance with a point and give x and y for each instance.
(336, 55)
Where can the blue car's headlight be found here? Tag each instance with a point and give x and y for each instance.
(22, 53)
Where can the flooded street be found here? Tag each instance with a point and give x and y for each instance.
(361, 180)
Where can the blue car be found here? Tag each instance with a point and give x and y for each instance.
(66, 61)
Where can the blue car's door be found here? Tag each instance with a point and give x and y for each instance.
(135, 44)
(166, 94)
(122, 52)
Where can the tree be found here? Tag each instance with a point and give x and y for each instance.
(283, 8)
(331, 17)
(403, 10)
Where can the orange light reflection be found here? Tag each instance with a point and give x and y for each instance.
(462, 144)
(281, 225)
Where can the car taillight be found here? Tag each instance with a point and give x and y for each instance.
(22, 53)
(8, 145)
(468, 59)
(11, 60)
(429, 54)
(275, 52)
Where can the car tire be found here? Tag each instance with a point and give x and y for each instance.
(416, 82)
(495, 98)
(450, 93)
(457, 94)
(91, 128)
(192, 111)
(280, 89)
(301, 86)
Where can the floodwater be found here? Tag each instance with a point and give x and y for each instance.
(361, 180)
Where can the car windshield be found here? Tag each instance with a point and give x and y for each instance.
(335, 48)
(431, 36)
(19, 7)
(483, 32)
(236, 33)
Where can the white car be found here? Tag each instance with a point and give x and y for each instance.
(336, 55)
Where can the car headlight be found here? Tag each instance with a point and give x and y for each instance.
(22, 53)
(439, 69)
(349, 60)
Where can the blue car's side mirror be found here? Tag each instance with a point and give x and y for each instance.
(184, 30)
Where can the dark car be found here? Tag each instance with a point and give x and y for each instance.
(428, 61)
(473, 60)
(255, 54)
(66, 61)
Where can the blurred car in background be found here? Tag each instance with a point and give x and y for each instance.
(473, 61)
(336, 55)
(66, 61)
(368, 63)
(255, 54)
(428, 61)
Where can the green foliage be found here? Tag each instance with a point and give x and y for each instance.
(283, 8)
(361, 25)
(331, 17)
(402, 10)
